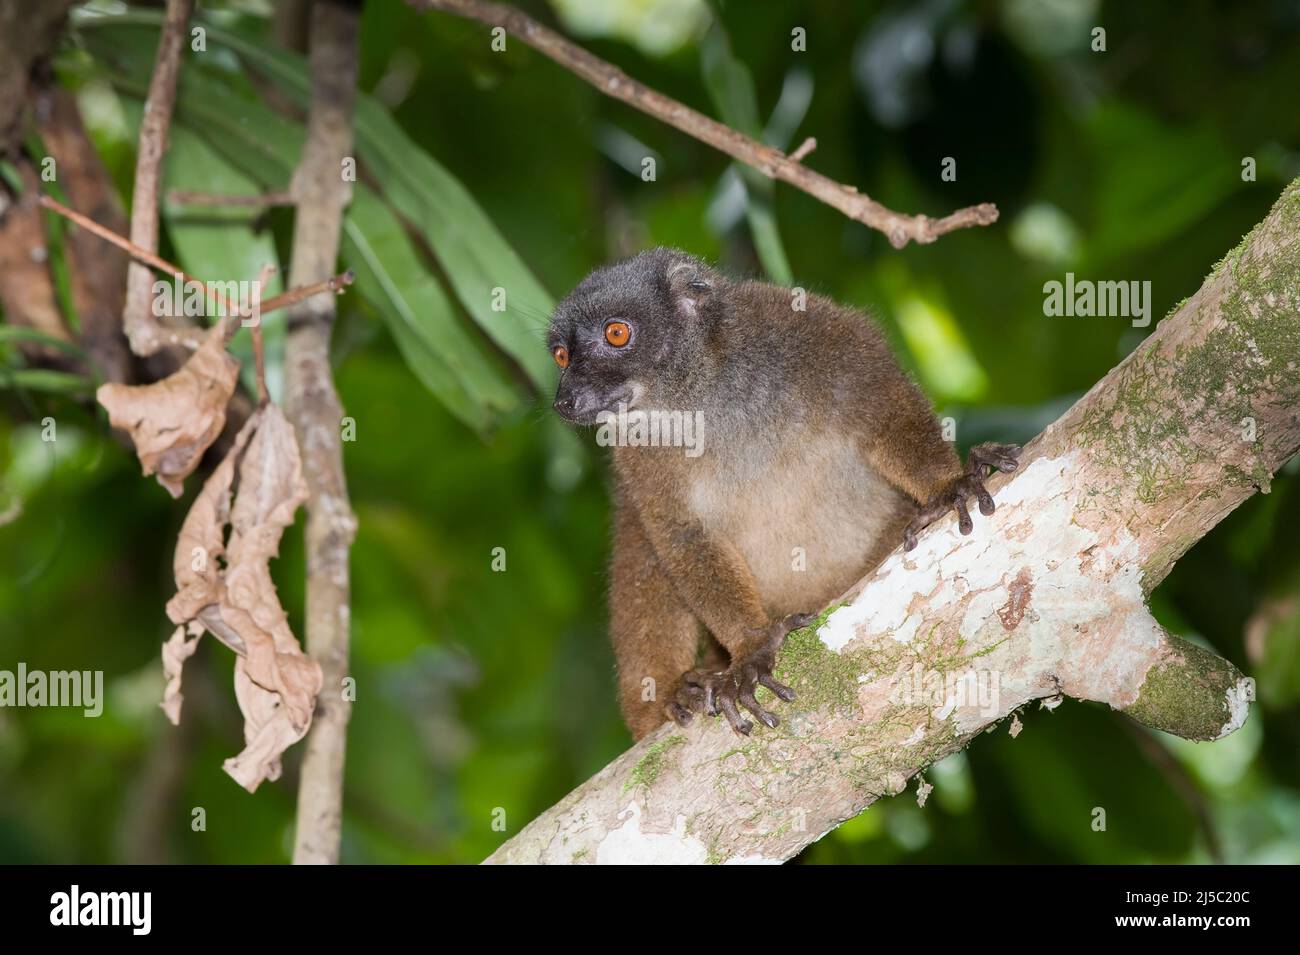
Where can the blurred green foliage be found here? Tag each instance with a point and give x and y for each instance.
(481, 691)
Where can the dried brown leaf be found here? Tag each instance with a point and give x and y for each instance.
(275, 682)
(201, 543)
(174, 653)
(268, 728)
(173, 421)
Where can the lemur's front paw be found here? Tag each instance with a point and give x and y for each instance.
(725, 691)
(980, 463)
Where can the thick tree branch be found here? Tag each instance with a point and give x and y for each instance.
(313, 405)
(610, 80)
(1046, 598)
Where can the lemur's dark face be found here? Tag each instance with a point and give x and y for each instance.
(625, 335)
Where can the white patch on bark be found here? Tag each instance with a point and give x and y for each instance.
(1080, 619)
(1239, 696)
(882, 609)
(629, 845)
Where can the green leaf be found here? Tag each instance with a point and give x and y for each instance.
(17, 333)
(475, 258)
(1181, 175)
(446, 357)
(9, 175)
(260, 148)
(44, 379)
(419, 314)
(222, 244)
(730, 84)
(731, 87)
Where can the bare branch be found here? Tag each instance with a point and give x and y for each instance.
(806, 147)
(1046, 599)
(335, 284)
(143, 331)
(313, 405)
(610, 80)
(232, 312)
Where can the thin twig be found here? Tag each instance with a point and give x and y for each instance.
(335, 283)
(807, 146)
(259, 348)
(193, 337)
(610, 80)
(144, 333)
(108, 235)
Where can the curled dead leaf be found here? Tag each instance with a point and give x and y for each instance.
(269, 729)
(275, 682)
(173, 421)
(175, 652)
(196, 565)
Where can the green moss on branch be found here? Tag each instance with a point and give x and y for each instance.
(1195, 694)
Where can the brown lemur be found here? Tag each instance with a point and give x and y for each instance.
(814, 455)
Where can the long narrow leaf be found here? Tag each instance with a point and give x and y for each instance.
(480, 265)
(44, 379)
(731, 87)
(445, 356)
(19, 333)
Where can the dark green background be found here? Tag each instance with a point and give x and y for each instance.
(479, 690)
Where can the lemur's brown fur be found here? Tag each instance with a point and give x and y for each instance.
(819, 456)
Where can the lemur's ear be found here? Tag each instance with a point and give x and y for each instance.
(691, 282)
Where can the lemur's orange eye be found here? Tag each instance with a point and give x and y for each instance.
(561, 356)
(617, 333)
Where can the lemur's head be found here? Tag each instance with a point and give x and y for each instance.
(632, 333)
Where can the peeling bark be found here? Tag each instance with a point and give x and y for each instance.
(1045, 599)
